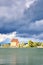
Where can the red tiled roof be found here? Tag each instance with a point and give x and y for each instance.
(15, 40)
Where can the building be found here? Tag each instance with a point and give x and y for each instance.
(14, 43)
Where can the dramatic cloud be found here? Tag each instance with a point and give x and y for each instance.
(14, 8)
(12, 15)
(5, 36)
(39, 36)
(37, 26)
(23, 16)
(29, 3)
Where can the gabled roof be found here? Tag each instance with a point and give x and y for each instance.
(15, 40)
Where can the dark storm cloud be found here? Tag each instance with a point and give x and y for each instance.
(20, 17)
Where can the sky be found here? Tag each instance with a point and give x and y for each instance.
(22, 19)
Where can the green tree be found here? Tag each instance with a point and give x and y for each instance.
(5, 45)
(18, 45)
(0, 44)
(38, 43)
(42, 44)
(35, 45)
(31, 43)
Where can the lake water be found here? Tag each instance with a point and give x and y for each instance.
(27, 56)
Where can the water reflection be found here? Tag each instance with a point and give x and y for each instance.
(4, 64)
(21, 57)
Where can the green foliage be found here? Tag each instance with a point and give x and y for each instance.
(38, 43)
(35, 45)
(23, 45)
(31, 43)
(0, 44)
(5, 45)
(18, 45)
(42, 44)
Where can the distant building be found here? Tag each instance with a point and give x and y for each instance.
(14, 43)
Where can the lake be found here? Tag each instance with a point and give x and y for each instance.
(21, 56)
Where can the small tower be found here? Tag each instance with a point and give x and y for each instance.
(14, 42)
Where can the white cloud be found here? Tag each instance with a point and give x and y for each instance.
(21, 39)
(37, 25)
(14, 8)
(38, 36)
(29, 3)
(5, 36)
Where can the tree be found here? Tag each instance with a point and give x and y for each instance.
(18, 45)
(42, 44)
(35, 45)
(0, 44)
(38, 43)
(5, 45)
(31, 43)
